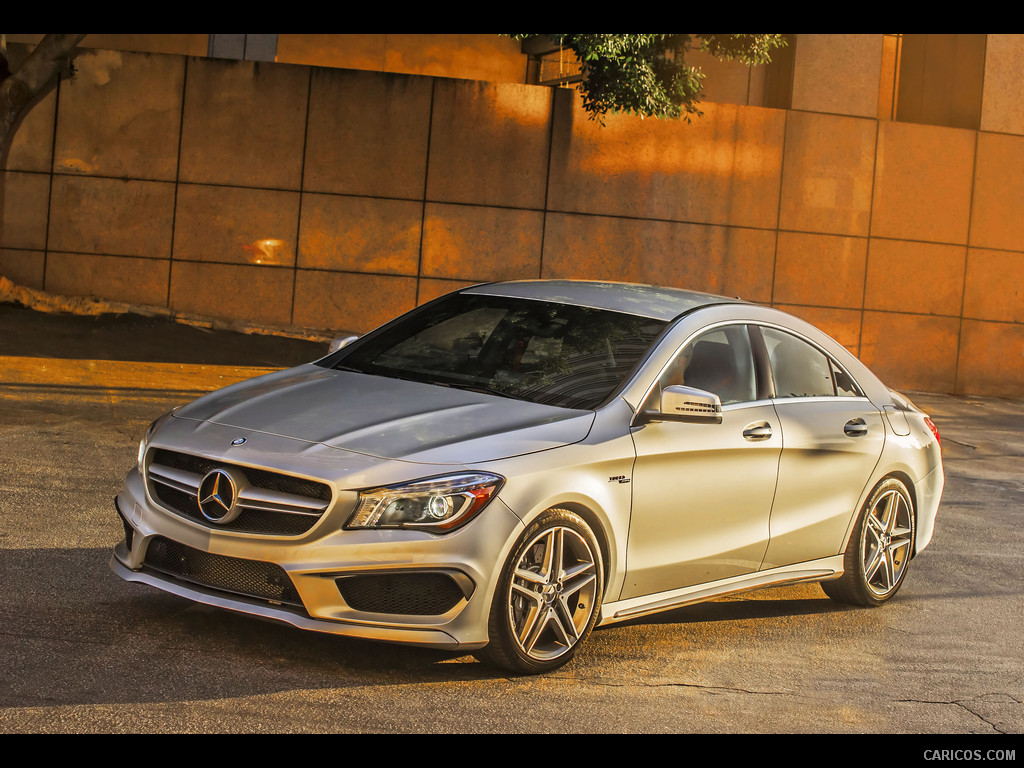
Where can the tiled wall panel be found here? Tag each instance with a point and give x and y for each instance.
(329, 199)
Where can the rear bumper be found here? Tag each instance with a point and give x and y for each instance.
(929, 494)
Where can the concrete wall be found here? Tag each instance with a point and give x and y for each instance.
(475, 57)
(335, 199)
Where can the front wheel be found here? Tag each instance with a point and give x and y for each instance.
(880, 548)
(548, 596)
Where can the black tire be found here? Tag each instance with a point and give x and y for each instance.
(548, 596)
(880, 548)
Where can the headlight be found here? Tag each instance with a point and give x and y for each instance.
(150, 430)
(438, 504)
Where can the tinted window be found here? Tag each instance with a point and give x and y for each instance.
(845, 386)
(718, 361)
(801, 370)
(546, 352)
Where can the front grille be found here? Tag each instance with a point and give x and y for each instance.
(412, 594)
(274, 481)
(272, 503)
(249, 578)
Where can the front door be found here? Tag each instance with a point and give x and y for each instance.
(702, 493)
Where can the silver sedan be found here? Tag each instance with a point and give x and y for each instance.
(509, 466)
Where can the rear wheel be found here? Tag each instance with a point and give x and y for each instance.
(548, 596)
(880, 548)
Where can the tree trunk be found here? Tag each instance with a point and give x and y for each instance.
(23, 89)
(20, 91)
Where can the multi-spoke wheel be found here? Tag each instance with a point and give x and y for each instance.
(547, 599)
(879, 550)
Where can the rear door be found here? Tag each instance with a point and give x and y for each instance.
(832, 437)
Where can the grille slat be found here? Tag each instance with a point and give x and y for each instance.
(272, 504)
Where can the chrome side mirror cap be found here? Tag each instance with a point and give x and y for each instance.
(340, 342)
(680, 403)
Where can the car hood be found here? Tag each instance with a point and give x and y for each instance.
(389, 418)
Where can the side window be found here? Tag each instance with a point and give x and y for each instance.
(845, 386)
(801, 370)
(718, 361)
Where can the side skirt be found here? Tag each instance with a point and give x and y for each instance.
(815, 570)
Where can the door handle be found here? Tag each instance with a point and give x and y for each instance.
(855, 428)
(758, 431)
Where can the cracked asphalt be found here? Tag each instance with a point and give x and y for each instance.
(84, 652)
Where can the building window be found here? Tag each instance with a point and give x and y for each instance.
(939, 79)
(551, 63)
(244, 47)
(778, 79)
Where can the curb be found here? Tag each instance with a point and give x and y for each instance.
(88, 306)
(37, 373)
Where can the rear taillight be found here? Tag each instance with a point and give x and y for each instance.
(934, 429)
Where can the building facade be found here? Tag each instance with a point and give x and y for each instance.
(871, 184)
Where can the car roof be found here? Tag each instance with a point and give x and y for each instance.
(657, 302)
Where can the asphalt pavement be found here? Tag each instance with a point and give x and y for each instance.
(77, 391)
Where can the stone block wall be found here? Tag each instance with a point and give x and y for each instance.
(334, 199)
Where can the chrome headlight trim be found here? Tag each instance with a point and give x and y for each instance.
(436, 504)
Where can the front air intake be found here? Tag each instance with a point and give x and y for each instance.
(248, 578)
(412, 594)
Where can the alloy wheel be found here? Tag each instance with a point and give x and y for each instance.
(886, 542)
(553, 593)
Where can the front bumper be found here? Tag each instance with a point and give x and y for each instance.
(370, 584)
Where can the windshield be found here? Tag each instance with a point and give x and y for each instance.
(544, 352)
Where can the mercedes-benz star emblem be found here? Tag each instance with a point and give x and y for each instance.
(218, 496)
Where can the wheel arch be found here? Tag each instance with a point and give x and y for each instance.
(911, 486)
(869, 489)
(594, 521)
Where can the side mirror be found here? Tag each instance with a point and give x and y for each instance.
(679, 403)
(338, 343)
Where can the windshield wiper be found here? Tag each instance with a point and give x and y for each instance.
(385, 372)
(404, 376)
(479, 388)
